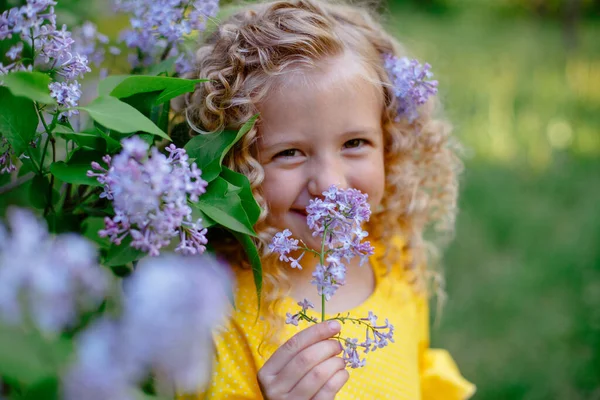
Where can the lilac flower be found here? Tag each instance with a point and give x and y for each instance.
(35, 24)
(292, 319)
(350, 354)
(170, 306)
(338, 218)
(90, 43)
(412, 84)
(67, 96)
(380, 337)
(103, 369)
(48, 278)
(282, 244)
(15, 51)
(159, 26)
(150, 198)
(305, 304)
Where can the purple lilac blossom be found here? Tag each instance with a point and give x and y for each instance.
(338, 218)
(90, 43)
(67, 95)
(283, 245)
(170, 306)
(158, 28)
(35, 23)
(412, 84)
(47, 278)
(150, 198)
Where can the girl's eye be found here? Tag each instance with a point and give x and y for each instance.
(353, 143)
(287, 153)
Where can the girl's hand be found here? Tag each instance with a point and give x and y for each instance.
(305, 367)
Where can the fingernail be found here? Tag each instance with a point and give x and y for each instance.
(334, 326)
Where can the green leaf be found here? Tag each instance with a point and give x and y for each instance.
(207, 222)
(91, 226)
(167, 86)
(254, 258)
(248, 202)
(106, 85)
(207, 151)
(122, 254)
(92, 141)
(76, 168)
(165, 66)
(225, 207)
(241, 132)
(121, 117)
(18, 120)
(39, 192)
(63, 129)
(32, 85)
(46, 389)
(27, 357)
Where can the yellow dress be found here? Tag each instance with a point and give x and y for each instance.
(406, 369)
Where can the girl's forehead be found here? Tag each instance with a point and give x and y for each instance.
(342, 69)
(332, 101)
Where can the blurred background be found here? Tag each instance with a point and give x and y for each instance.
(520, 80)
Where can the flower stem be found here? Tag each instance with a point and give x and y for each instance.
(322, 261)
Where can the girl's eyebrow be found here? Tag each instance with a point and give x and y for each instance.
(276, 144)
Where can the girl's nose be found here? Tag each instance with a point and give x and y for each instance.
(324, 175)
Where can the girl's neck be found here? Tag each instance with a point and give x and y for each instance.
(360, 284)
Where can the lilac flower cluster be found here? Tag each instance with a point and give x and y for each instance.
(35, 23)
(337, 218)
(170, 306)
(376, 337)
(159, 26)
(46, 279)
(89, 42)
(150, 197)
(412, 84)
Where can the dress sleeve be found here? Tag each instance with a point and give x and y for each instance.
(234, 368)
(440, 377)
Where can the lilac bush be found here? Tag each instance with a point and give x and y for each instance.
(143, 192)
(338, 219)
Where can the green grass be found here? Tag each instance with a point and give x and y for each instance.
(523, 273)
(523, 277)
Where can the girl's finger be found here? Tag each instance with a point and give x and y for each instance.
(316, 378)
(332, 386)
(296, 344)
(303, 362)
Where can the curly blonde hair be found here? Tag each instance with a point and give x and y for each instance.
(265, 41)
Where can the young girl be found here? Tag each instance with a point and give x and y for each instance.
(321, 76)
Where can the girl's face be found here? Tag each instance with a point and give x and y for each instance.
(321, 127)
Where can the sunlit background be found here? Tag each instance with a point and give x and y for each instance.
(520, 80)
